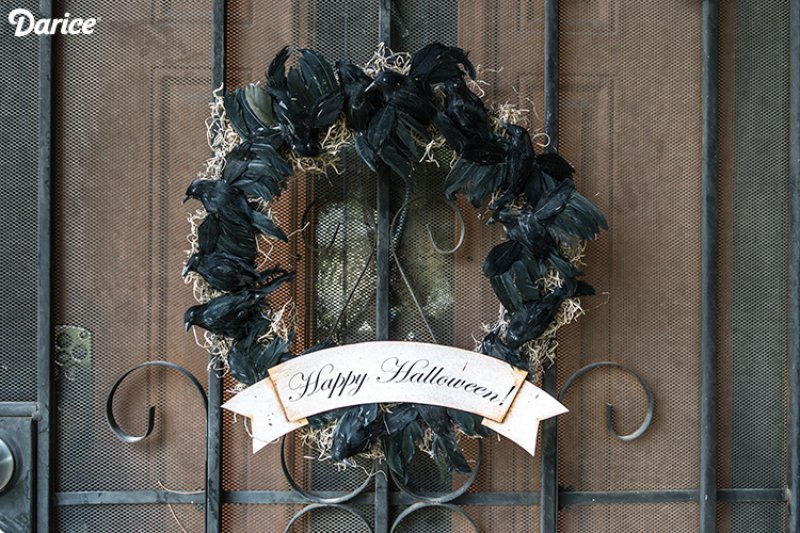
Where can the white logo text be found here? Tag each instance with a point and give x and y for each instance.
(26, 23)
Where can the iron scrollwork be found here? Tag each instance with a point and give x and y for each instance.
(456, 510)
(439, 499)
(648, 419)
(112, 422)
(322, 501)
(355, 513)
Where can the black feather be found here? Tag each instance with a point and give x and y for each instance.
(306, 101)
(251, 363)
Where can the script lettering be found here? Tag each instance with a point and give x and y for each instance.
(323, 380)
(397, 371)
(25, 23)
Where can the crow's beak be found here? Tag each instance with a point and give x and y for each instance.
(185, 199)
(187, 325)
(189, 264)
(371, 87)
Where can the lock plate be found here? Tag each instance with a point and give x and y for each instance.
(16, 499)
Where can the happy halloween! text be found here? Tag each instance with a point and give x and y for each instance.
(329, 383)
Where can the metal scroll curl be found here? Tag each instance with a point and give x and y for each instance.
(454, 509)
(648, 419)
(346, 509)
(112, 422)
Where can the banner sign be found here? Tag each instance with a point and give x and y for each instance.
(393, 371)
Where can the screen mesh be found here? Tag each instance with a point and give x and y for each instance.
(130, 103)
(743, 517)
(754, 275)
(115, 518)
(630, 122)
(18, 212)
(131, 100)
(643, 518)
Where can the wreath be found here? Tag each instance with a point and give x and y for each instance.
(396, 111)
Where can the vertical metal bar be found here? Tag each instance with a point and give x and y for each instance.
(551, 77)
(548, 496)
(385, 22)
(381, 499)
(382, 261)
(383, 237)
(214, 424)
(44, 319)
(794, 268)
(708, 265)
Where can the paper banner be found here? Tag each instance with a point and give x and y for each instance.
(389, 371)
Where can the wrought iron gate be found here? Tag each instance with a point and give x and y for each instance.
(683, 121)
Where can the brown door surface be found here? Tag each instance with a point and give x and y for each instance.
(128, 121)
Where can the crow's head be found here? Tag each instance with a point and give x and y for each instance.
(191, 264)
(306, 146)
(192, 316)
(516, 132)
(454, 84)
(386, 81)
(198, 188)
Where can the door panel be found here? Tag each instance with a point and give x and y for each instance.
(632, 130)
(130, 103)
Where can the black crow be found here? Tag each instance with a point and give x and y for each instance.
(360, 106)
(362, 425)
(227, 272)
(402, 121)
(493, 346)
(230, 207)
(408, 104)
(255, 168)
(237, 315)
(250, 363)
(562, 216)
(400, 445)
(463, 121)
(514, 271)
(249, 111)
(356, 429)
(532, 320)
(223, 271)
(306, 101)
(505, 165)
(435, 63)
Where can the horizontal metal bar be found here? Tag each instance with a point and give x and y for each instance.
(498, 498)
(127, 497)
(753, 495)
(275, 497)
(289, 497)
(26, 409)
(568, 498)
(366, 498)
